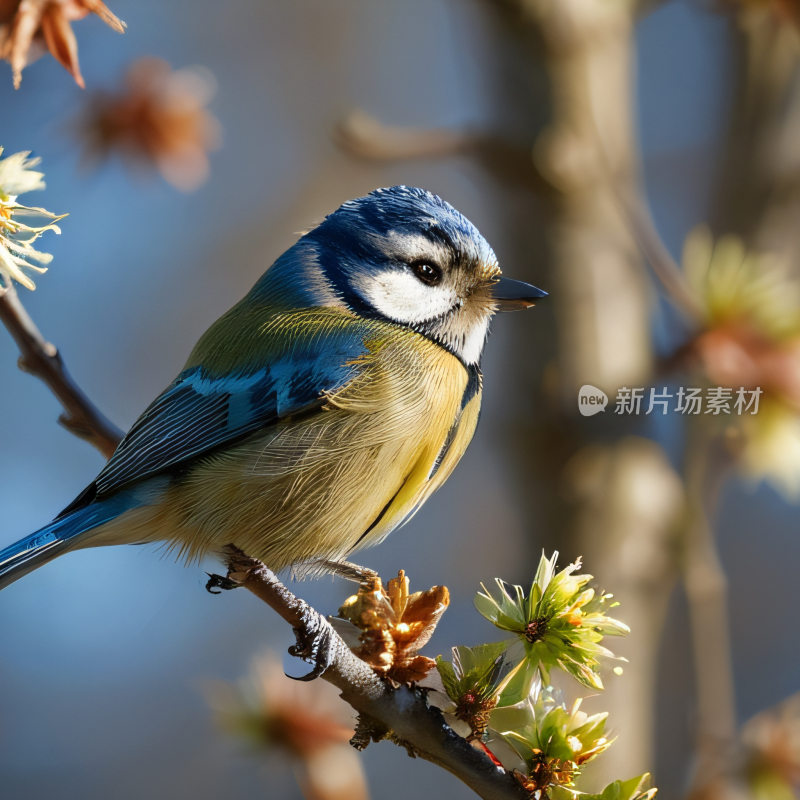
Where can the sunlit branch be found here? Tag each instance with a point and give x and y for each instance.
(400, 714)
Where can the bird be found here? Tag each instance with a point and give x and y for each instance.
(320, 412)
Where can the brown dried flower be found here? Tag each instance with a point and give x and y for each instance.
(157, 119)
(308, 723)
(270, 709)
(772, 739)
(395, 625)
(29, 27)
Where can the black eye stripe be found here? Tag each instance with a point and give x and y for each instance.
(427, 271)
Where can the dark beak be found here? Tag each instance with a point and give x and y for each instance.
(514, 295)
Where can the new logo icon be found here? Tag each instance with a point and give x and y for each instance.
(591, 400)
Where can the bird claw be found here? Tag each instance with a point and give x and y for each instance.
(316, 639)
(314, 645)
(216, 584)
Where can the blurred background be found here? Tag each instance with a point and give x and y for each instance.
(555, 126)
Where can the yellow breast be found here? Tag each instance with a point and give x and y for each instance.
(343, 478)
(417, 397)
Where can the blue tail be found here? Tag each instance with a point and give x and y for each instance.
(59, 536)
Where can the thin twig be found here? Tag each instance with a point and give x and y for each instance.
(655, 253)
(362, 135)
(42, 359)
(402, 713)
(639, 219)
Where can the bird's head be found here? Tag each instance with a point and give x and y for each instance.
(405, 255)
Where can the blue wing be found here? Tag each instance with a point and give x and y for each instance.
(199, 412)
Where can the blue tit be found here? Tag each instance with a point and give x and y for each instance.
(321, 411)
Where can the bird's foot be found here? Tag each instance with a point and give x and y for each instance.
(348, 570)
(315, 640)
(216, 584)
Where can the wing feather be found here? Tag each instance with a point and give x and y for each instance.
(200, 411)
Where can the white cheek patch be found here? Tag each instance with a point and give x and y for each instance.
(400, 296)
(474, 340)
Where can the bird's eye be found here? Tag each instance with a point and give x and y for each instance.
(427, 272)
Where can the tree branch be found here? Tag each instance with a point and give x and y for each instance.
(401, 714)
(666, 270)
(363, 136)
(42, 359)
